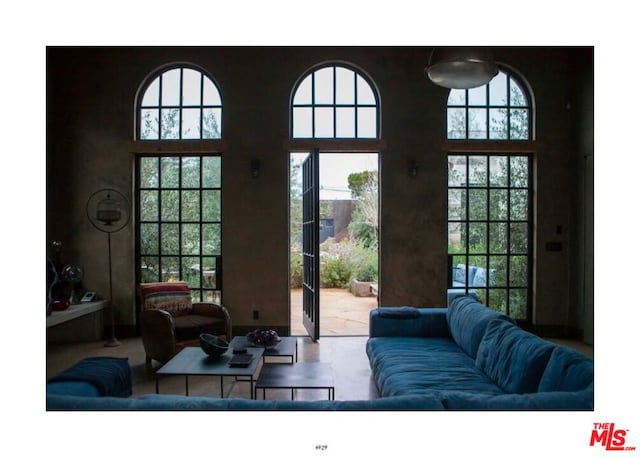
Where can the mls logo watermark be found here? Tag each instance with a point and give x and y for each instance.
(607, 436)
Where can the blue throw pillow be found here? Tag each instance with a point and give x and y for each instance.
(568, 370)
(512, 357)
(399, 313)
(467, 319)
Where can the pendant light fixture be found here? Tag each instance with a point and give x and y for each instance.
(461, 67)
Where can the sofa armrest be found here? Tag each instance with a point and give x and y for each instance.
(408, 322)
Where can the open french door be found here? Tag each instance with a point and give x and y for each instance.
(311, 245)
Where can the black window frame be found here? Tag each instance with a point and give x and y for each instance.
(313, 104)
(199, 292)
(488, 106)
(180, 106)
(485, 292)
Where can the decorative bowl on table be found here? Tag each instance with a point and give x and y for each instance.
(263, 338)
(212, 345)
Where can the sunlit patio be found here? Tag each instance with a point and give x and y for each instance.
(341, 313)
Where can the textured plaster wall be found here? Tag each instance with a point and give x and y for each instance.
(90, 124)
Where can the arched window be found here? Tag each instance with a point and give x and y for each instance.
(334, 101)
(180, 103)
(179, 193)
(490, 195)
(500, 110)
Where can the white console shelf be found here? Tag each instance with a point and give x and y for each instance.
(75, 311)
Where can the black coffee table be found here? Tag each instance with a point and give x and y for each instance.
(286, 348)
(194, 361)
(295, 377)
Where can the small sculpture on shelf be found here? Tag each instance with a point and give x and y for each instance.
(263, 338)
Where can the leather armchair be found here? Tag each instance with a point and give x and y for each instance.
(169, 320)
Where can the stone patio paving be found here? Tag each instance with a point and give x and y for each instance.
(341, 313)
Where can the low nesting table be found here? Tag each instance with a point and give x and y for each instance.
(194, 361)
(295, 376)
(286, 348)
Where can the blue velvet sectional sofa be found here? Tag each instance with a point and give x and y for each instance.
(104, 384)
(472, 358)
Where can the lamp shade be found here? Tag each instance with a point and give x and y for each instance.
(461, 67)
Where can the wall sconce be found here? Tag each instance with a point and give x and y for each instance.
(255, 168)
(413, 169)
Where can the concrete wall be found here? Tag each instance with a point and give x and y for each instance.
(90, 124)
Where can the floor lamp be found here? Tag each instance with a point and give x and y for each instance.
(108, 211)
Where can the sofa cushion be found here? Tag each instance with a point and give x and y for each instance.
(480, 277)
(467, 319)
(459, 400)
(174, 297)
(408, 322)
(74, 388)
(154, 402)
(513, 358)
(399, 313)
(567, 370)
(461, 272)
(415, 365)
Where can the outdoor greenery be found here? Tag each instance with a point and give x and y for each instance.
(169, 126)
(489, 198)
(355, 256)
(180, 103)
(180, 195)
(180, 218)
(364, 221)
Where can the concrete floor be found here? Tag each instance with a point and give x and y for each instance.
(341, 313)
(346, 355)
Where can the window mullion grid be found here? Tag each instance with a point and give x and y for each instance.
(201, 105)
(529, 235)
(334, 108)
(509, 109)
(355, 105)
(509, 254)
(180, 103)
(180, 221)
(467, 236)
(159, 217)
(200, 224)
(313, 105)
(487, 117)
(160, 123)
(488, 219)
(466, 120)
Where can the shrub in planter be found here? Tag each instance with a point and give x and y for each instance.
(296, 269)
(366, 265)
(335, 272)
